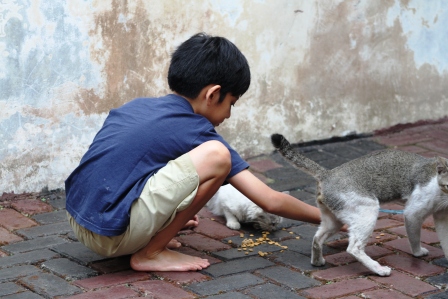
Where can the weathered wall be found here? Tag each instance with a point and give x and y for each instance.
(319, 69)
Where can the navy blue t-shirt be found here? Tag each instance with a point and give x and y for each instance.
(136, 140)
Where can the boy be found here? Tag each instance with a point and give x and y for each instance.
(157, 161)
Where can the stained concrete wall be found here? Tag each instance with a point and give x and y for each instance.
(319, 69)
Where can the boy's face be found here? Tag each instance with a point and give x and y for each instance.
(219, 111)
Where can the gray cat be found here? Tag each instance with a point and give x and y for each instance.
(237, 208)
(352, 193)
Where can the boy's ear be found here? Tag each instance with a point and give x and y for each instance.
(212, 93)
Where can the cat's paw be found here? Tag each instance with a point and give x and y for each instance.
(233, 225)
(421, 252)
(318, 262)
(383, 270)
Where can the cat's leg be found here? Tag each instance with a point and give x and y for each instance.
(441, 223)
(231, 221)
(329, 226)
(413, 220)
(361, 219)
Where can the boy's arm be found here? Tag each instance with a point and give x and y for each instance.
(272, 201)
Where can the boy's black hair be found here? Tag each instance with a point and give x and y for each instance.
(202, 60)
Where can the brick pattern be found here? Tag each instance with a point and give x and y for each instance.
(41, 258)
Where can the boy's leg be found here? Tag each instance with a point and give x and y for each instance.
(212, 162)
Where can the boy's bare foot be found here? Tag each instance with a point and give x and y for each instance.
(167, 260)
(173, 244)
(192, 223)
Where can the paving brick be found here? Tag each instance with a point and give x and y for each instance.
(440, 281)
(426, 236)
(49, 285)
(230, 295)
(339, 289)
(342, 272)
(51, 217)
(439, 146)
(442, 295)
(289, 278)
(111, 279)
(67, 269)
(9, 288)
(344, 257)
(31, 257)
(412, 149)
(56, 199)
(304, 247)
(402, 139)
(384, 294)
(182, 277)
(233, 253)
(116, 264)
(296, 260)
(224, 284)
(45, 230)
(31, 206)
(12, 220)
(380, 237)
(237, 266)
(158, 289)
(34, 244)
(8, 238)
(205, 213)
(203, 243)
(442, 262)
(289, 178)
(214, 230)
(78, 252)
(387, 223)
(109, 293)
(403, 245)
(263, 165)
(23, 295)
(411, 265)
(405, 284)
(269, 291)
(16, 272)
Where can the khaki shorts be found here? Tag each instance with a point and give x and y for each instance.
(170, 190)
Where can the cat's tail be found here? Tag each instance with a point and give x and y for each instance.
(296, 159)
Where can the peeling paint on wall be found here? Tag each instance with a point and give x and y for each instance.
(319, 69)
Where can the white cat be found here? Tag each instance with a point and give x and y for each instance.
(237, 208)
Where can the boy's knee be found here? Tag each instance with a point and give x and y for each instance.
(218, 153)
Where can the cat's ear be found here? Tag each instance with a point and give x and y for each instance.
(441, 165)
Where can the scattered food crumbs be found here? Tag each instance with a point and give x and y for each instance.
(297, 238)
(283, 228)
(381, 234)
(246, 253)
(251, 235)
(230, 241)
(239, 249)
(377, 237)
(241, 235)
(212, 219)
(291, 233)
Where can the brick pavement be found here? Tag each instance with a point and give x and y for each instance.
(41, 258)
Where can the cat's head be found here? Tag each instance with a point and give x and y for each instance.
(442, 173)
(266, 221)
